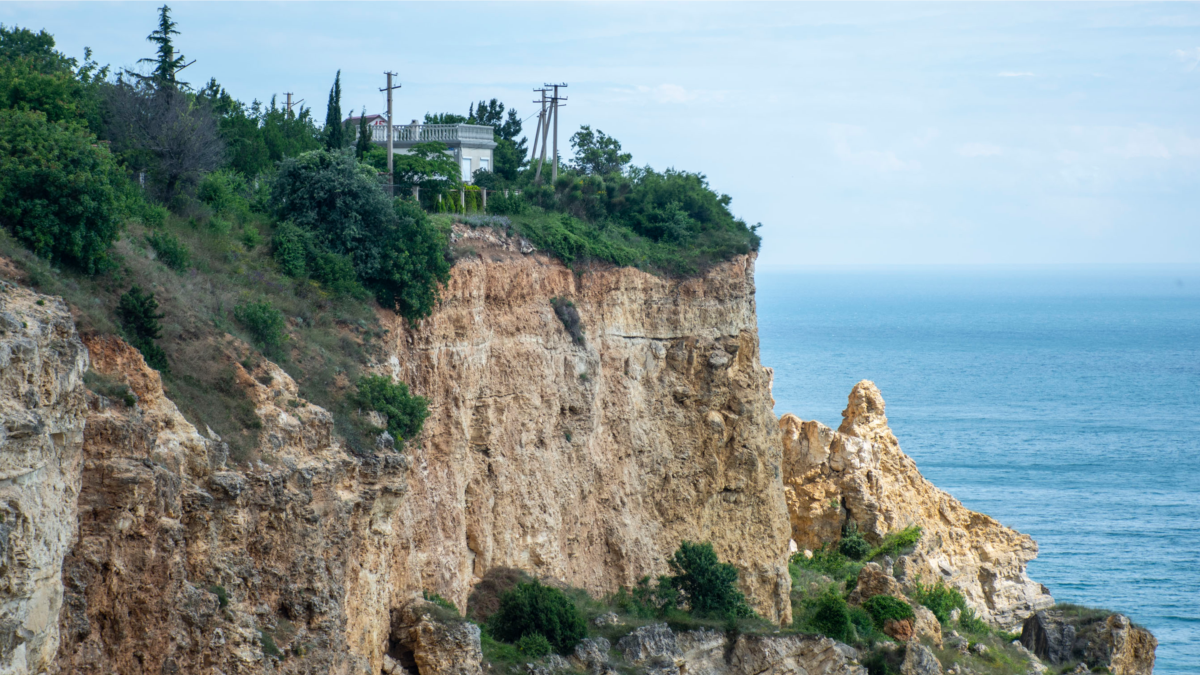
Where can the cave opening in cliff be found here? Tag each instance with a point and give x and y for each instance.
(403, 655)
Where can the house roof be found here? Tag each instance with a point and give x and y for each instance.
(371, 119)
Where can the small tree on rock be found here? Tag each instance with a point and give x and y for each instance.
(708, 586)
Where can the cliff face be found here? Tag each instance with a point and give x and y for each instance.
(589, 462)
(859, 473)
(42, 363)
(585, 460)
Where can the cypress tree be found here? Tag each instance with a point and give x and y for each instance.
(363, 145)
(335, 135)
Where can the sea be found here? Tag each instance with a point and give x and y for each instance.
(1064, 402)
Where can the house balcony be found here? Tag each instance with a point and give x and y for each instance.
(453, 135)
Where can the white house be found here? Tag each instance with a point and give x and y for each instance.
(471, 144)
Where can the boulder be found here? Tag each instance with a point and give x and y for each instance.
(1049, 636)
(591, 654)
(874, 580)
(902, 630)
(655, 642)
(959, 643)
(925, 624)
(919, 660)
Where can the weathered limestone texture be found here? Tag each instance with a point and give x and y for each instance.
(859, 473)
(42, 363)
(590, 462)
(185, 565)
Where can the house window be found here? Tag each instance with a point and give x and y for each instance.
(484, 163)
(466, 169)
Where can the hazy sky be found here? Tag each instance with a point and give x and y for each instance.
(884, 133)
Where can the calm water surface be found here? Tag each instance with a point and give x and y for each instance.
(1064, 403)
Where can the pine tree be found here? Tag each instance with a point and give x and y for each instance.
(363, 145)
(166, 64)
(335, 135)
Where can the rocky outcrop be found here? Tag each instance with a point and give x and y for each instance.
(42, 363)
(187, 565)
(1091, 637)
(919, 660)
(590, 461)
(657, 649)
(422, 643)
(858, 473)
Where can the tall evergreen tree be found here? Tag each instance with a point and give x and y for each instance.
(363, 145)
(166, 65)
(335, 135)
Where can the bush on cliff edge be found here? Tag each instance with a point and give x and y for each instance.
(533, 609)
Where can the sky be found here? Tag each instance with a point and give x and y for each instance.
(857, 134)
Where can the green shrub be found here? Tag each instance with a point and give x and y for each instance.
(884, 608)
(268, 644)
(707, 585)
(138, 313)
(852, 545)
(291, 246)
(264, 323)
(512, 205)
(531, 608)
(171, 251)
(830, 616)
(251, 238)
(895, 542)
(970, 622)
(939, 599)
(57, 190)
(864, 624)
(569, 317)
(224, 190)
(828, 561)
(405, 413)
(222, 595)
(534, 645)
(109, 388)
(439, 601)
(396, 252)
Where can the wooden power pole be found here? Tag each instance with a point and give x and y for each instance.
(391, 146)
(540, 131)
(555, 105)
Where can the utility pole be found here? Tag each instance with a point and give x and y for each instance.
(556, 104)
(290, 104)
(540, 131)
(390, 145)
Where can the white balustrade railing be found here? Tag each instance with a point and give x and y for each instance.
(424, 133)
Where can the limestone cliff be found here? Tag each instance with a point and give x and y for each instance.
(42, 363)
(581, 460)
(859, 473)
(590, 460)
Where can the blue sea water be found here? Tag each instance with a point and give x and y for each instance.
(1063, 402)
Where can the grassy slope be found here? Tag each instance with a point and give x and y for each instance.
(330, 338)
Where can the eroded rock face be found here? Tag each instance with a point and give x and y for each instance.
(186, 565)
(591, 462)
(1111, 641)
(42, 363)
(859, 473)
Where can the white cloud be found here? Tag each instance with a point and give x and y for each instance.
(1010, 73)
(1190, 57)
(845, 137)
(979, 150)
